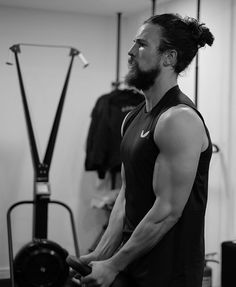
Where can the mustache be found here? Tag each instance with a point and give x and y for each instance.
(131, 61)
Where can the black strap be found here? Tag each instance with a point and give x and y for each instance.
(42, 168)
(53, 135)
(34, 151)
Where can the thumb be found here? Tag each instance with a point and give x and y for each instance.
(85, 259)
(88, 258)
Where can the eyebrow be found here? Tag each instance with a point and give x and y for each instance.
(140, 41)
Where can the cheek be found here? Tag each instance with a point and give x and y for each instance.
(149, 61)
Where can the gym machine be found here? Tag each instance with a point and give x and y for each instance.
(41, 262)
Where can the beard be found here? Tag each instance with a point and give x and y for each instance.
(142, 80)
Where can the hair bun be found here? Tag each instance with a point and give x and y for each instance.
(200, 33)
(205, 37)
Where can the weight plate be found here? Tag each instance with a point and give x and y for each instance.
(41, 263)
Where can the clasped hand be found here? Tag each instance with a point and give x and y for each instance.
(102, 275)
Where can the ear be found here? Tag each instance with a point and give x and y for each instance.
(170, 58)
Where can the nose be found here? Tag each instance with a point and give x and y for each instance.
(132, 50)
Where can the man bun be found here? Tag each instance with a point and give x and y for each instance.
(200, 33)
(205, 37)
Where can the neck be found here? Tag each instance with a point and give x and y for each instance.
(154, 94)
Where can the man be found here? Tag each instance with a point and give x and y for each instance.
(155, 236)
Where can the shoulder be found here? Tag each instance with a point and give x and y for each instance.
(179, 126)
(180, 114)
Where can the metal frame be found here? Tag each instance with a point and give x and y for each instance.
(41, 169)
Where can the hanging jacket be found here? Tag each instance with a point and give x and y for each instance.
(104, 136)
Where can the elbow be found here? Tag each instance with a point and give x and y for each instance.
(175, 215)
(166, 212)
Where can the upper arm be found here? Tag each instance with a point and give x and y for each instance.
(179, 136)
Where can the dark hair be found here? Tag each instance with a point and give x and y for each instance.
(185, 35)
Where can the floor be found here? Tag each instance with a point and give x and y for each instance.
(7, 283)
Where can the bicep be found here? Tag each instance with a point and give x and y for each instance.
(173, 179)
(180, 144)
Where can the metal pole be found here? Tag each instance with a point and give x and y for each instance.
(118, 51)
(153, 7)
(197, 59)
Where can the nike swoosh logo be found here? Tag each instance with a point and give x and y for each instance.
(143, 134)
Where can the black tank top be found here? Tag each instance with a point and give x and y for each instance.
(182, 248)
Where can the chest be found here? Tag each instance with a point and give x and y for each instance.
(138, 144)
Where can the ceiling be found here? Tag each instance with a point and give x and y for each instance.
(94, 7)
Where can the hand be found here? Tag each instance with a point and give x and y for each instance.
(76, 277)
(103, 274)
(89, 257)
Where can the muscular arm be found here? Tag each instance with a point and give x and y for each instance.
(112, 236)
(180, 136)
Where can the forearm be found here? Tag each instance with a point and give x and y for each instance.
(146, 235)
(112, 236)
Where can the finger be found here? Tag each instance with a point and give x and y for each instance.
(90, 285)
(77, 281)
(72, 273)
(87, 280)
(77, 276)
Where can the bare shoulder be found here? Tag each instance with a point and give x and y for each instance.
(180, 114)
(181, 127)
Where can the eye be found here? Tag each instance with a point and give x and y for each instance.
(140, 43)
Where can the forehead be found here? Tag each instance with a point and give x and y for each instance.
(150, 33)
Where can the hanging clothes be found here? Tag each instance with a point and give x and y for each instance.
(104, 135)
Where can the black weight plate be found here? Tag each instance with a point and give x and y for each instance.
(41, 263)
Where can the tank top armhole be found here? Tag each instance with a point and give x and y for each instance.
(123, 124)
(129, 118)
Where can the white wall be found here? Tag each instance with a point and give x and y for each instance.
(96, 37)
